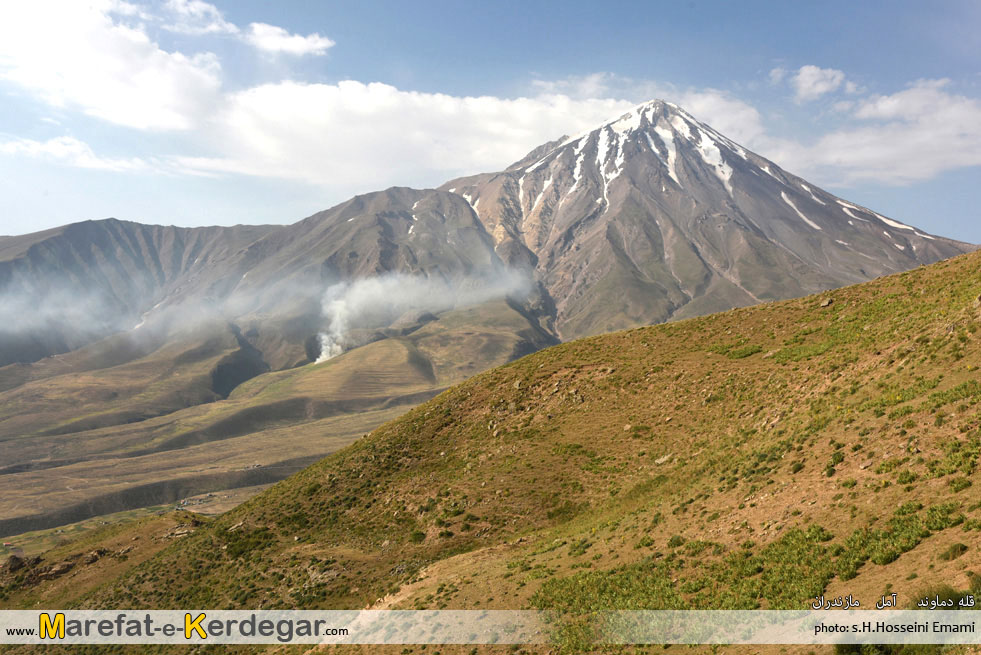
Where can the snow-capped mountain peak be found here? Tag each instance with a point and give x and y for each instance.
(683, 218)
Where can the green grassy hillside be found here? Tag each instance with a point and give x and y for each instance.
(750, 459)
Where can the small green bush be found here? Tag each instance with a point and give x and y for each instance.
(952, 552)
(959, 484)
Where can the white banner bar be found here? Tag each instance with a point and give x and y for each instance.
(485, 627)
(790, 627)
(271, 627)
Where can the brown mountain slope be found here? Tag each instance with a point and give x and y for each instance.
(88, 280)
(68, 454)
(650, 217)
(63, 288)
(754, 458)
(140, 417)
(655, 216)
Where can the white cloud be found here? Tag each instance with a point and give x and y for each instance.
(85, 60)
(900, 138)
(95, 59)
(811, 82)
(69, 150)
(777, 75)
(904, 137)
(924, 98)
(733, 117)
(593, 85)
(374, 135)
(196, 17)
(123, 8)
(353, 135)
(271, 38)
(368, 136)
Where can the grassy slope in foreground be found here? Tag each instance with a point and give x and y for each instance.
(754, 458)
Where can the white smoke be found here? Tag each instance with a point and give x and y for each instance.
(377, 301)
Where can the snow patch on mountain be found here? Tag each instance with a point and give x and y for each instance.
(628, 122)
(541, 193)
(845, 207)
(667, 138)
(657, 153)
(681, 126)
(602, 148)
(721, 138)
(580, 159)
(713, 157)
(892, 223)
(813, 197)
(799, 213)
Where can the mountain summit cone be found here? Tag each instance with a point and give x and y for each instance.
(655, 216)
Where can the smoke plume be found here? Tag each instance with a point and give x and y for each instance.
(377, 301)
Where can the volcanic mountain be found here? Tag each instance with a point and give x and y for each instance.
(752, 459)
(655, 216)
(149, 363)
(650, 217)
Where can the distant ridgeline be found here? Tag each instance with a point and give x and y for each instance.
(127, 348)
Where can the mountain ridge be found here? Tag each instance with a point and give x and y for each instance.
(676, 216)
(656, 181)
(684, 161)
(163, 342)
(656, 468)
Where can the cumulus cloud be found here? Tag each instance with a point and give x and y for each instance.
(733, 117)
(592, 85)
(85, 60)
(897, 139)
(903, 137)
(811, 82)
(923, 98)
(777, 75)
(196, 17)
(271, 38)
(366, 136)
(99, 59)
(373, 135)
(70, 151)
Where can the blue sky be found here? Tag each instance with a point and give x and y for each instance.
(194, 113)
